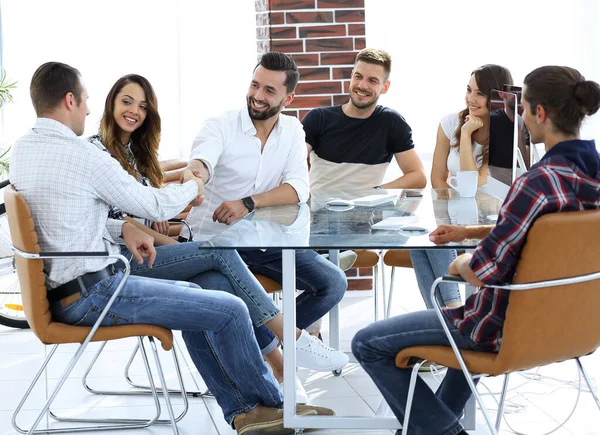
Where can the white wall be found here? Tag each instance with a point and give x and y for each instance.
(198, 56)
(436, 44)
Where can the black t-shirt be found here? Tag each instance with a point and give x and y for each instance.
(338, 138)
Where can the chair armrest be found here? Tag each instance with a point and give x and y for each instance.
(30, 256)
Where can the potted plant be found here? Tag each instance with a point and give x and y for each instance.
(5, 97)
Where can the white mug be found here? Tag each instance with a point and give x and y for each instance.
(465, 183)
(463, 211)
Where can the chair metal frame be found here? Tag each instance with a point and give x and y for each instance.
(106, 424)
(468, 375)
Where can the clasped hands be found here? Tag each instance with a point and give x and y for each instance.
(188, 175)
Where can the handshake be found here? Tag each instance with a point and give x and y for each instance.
(189, 174)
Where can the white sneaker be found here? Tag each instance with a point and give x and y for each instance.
(347, 259)
(301, 396)
(312, 353)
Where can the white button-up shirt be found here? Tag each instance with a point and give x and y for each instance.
(237, 167)
(69, 183)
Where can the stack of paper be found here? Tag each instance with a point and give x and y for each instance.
(394, 222)
(372, 200)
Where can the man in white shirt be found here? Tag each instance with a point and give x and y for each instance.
(69, 184)
(256, 157)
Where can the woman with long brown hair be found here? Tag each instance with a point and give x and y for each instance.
(462, 145)
(130, 131)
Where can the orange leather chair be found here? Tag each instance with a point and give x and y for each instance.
(553, 311)
(395, 258)
(30, 269)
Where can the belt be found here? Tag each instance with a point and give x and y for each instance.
(79, 284)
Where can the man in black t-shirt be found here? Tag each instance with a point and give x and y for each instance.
(351, 146)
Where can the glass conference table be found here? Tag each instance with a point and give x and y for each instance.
(317, 225)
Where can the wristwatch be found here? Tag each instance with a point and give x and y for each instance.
(248, 203)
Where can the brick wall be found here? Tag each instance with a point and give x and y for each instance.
(323, 37)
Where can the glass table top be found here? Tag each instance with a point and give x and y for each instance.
(401, 222)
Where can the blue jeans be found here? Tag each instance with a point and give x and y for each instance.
(324, 283)
(375, 347)
(429, 265)
(215, 269)
(216, 329)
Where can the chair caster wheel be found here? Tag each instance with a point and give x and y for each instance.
(337, 372)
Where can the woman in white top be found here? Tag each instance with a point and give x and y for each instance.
(462, 145)
(463, 138)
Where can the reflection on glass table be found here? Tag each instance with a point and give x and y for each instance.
(402, 222)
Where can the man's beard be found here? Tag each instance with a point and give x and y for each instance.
(362, 105)
(264, 114)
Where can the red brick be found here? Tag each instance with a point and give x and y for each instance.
(309, 17)
(352, 272)
(359, 43)
(314, 73)
(329, 44)
(341, 58)
(341, 73)
(278, 18)
(318, 31)
(261, 5)
(293, 113)
(262, 32)
(303, 114)
(310, 102)
(347, 86)
(340, 4)
(288, 46)
(360, 284)
(314, 88)
(356, 29)
(340, 99)
(284, 32)
(282, 5)
(306, 59)
(353, 16)
(263, 46)
(365, 271)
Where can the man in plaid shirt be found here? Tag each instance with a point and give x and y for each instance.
(556, 99)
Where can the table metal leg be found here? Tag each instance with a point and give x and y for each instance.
(289, 335)
(334, 314)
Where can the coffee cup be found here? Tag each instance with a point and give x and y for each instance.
(465, 183)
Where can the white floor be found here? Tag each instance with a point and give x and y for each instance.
(539, 401)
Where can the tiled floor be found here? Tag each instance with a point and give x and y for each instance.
(538, 402)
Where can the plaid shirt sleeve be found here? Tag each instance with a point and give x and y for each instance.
(495, 260)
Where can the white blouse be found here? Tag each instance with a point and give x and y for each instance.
(449, 124)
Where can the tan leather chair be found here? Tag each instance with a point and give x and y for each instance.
(547, 320)
(30, 269)
(368, 258)
(395, 258)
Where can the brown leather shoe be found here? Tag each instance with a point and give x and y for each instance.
(266, 421)
(319, 409)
